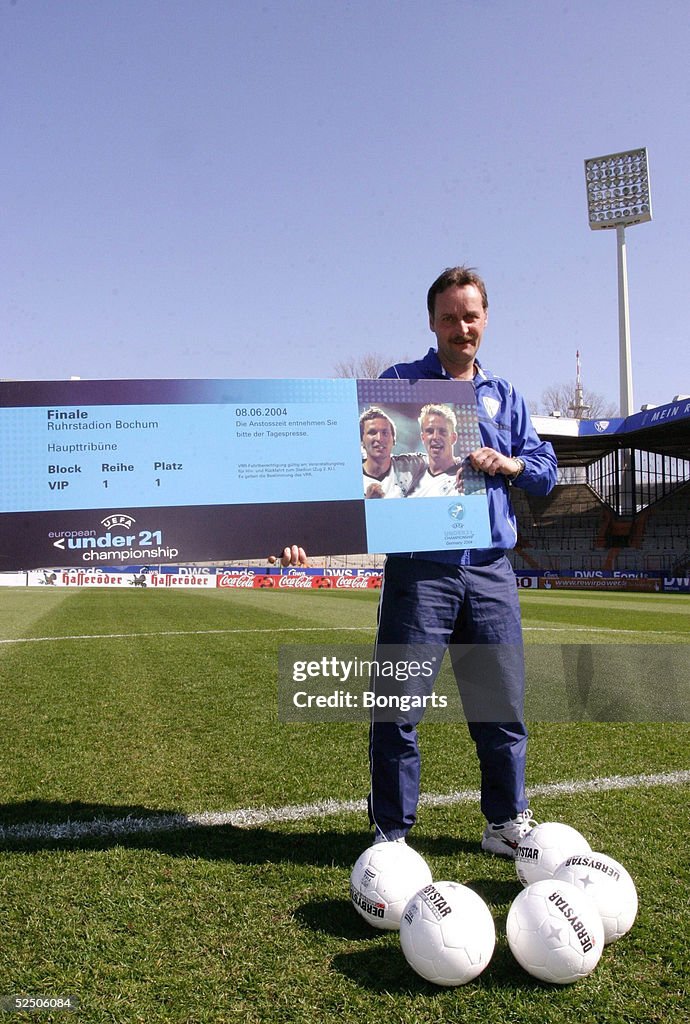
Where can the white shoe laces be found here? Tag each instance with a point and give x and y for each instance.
(524, 821)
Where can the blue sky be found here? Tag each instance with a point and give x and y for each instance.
(264, 189)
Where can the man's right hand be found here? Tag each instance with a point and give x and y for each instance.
(374, 491)
(293, 555)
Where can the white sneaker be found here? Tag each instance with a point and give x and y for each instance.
(503, 839)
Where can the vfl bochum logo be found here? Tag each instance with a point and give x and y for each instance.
(601, 425)
(456, 511)
(492, 405)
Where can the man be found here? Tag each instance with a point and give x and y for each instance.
(377, 434)
(438, 427)
(385, 475)
(464, 600)
(465, 597)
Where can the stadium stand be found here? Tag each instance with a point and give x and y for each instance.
(560, 531)
(624, 500)
(573, 528)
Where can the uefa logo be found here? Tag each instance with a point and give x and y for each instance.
(456, 511)
(118, 519)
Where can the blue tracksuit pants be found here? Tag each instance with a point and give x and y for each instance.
(427, 608)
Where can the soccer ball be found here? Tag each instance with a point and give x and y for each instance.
(382, 881)
(544, 848)
(447, 933)
(554, 931)
(608, 884)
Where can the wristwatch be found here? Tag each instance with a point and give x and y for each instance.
(521, 466)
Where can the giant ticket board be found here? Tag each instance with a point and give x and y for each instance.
(123, 472)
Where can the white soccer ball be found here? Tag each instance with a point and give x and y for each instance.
(544, 848)
(447, 933)
(608, 884)
(554, 931)
(382, 881)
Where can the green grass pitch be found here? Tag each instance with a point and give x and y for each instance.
(128, 706)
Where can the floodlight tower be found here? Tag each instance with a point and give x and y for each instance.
(618, 194)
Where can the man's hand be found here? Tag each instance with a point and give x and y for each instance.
(374, 491)
(489, 461)
(294, 555)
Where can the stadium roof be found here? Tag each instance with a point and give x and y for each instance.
(664, 430)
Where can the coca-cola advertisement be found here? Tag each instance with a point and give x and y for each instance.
(304, 581)
(358, 582)
(238, 580)
(298, 580)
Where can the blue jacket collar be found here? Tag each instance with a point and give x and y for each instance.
(432, 362)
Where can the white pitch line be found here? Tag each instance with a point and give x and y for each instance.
(309, 629)
(252, 817)
(184, 632)
(600, 629)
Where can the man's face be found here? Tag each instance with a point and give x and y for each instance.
(458, 321)
(377, 440)
(439, 438)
